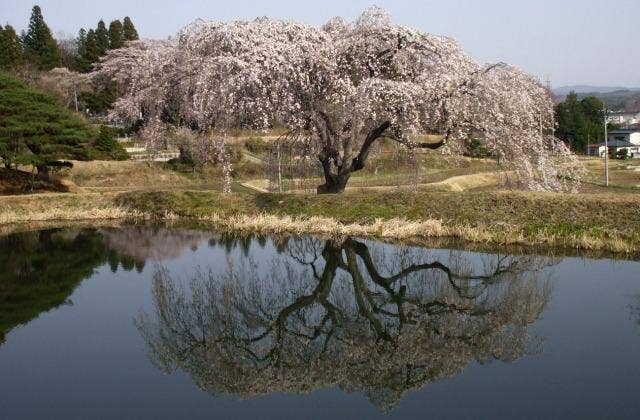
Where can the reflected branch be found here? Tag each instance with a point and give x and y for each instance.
(327, 315)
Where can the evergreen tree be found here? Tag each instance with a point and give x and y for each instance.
(102, 38)
(128, 30)
(10, 48)
(105, 139)
(81, 46)
(37, 130)
(107, 144)
(116, 36)
(40, 47)
(102, 96)
(90, 51)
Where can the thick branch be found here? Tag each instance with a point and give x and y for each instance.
(359, 161)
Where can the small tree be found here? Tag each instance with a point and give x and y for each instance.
(107, 144)
(476, 149)
(622, 154)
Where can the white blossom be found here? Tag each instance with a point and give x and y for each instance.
(345, 85)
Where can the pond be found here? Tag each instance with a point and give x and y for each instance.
(155, 322)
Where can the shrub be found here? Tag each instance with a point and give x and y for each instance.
(622, 154)
(109, 146)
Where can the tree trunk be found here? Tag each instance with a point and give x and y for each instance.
(338, 171)
(334, 184)
(43, 172)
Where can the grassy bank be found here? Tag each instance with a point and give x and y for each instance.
(585, 221)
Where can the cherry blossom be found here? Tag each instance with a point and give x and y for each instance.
(344, 85)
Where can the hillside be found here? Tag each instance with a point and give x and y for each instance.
(615, 98)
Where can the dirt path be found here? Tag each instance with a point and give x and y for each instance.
(453, 184)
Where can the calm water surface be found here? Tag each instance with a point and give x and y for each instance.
(146, 322)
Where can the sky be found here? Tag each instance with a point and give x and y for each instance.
(572, 42)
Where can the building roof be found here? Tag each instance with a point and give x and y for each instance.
(625, 131)
(614, 143)
(612, 113)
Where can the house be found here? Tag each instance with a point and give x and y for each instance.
(628, 139)
(630, 135)
(623, 118)
(619, 140)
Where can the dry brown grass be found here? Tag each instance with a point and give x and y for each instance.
(62, 207)
(402, 229)
(125, 175)
(622, 173)
(471, 205)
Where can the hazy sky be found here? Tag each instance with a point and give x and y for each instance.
(572, 41)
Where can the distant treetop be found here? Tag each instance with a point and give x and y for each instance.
(129, 31)
(39, 45)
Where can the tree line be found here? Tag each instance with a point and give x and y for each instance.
(40, 78)
(36, 47)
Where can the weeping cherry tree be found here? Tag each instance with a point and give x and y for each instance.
(344, 86)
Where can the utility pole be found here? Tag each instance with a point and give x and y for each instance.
(547, 85)
(279, 169)
(540, 118)
(606, 149)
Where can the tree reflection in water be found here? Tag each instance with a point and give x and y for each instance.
(40, 270)
(344, 314)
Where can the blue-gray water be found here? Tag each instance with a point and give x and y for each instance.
(142, 322)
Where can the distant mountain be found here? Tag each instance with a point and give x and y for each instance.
(615, 98)
(564, 90)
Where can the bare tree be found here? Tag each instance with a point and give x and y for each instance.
(66, 84)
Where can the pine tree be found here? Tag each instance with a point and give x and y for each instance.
(116, 37)
(36, 129)
(102, 38)
(40, 47)
(10, 48)
(128, 30)
(579, 121)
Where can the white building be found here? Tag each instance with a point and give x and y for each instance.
(618, 140)
(623, 118)
(631, 136)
